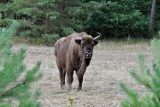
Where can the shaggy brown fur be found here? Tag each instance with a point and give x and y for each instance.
(73, 53)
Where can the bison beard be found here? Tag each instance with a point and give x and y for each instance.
(74, 53)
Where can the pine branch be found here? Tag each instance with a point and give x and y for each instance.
(10, 87)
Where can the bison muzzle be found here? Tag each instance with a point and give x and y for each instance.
(74, 53)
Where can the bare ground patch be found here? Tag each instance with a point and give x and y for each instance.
(101, 81)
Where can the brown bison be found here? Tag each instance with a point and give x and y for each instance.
(74, 53)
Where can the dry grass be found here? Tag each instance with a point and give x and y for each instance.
(123, 45)
(110, 65)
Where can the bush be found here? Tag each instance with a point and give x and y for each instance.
(115, 21)
(47, 39)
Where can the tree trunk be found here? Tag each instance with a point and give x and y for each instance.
(152, 16)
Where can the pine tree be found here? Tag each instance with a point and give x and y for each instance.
(150, 78)
(12, 87)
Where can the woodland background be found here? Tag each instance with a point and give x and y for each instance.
(45, 21)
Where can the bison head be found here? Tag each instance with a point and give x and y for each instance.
(87, 43)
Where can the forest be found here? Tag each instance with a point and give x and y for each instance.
(44, 21)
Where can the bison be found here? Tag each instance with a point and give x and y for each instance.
(74, 53)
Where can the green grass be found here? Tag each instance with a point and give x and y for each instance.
(32, 41)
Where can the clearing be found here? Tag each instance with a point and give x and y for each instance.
(110, 65)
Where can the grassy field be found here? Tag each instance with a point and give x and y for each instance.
(110, 64)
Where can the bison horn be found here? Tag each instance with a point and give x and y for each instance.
(99, 35)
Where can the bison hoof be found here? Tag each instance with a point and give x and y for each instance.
(79, 89)
(62, 88)
(69, 88)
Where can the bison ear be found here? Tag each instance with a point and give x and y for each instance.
(95, 42)
(78, 41)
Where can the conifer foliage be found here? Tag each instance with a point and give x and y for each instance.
(15, 79)
(45, 21)
(150, 78)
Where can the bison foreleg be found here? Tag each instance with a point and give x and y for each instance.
(80, 74)
(70, 78)
(80, 79)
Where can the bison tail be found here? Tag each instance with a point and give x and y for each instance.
(55, 53)
(55, 48)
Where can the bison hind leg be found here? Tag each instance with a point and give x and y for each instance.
(62, 77)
